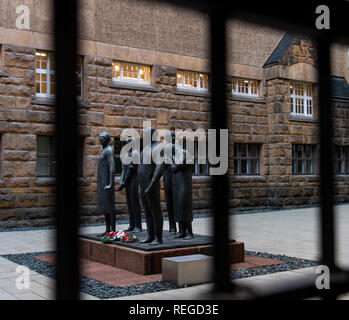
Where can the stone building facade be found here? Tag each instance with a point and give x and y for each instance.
(271, 94)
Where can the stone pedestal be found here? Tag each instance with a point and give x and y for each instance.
(146, 259)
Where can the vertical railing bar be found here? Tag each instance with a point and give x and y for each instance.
(67, 206)
(219, 121)
(326, 164)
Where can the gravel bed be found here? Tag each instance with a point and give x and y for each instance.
(105, 291)
(291, 263)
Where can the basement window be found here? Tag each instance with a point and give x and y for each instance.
(246, 158)
(46, 163)
(303, 158)
(342, 159)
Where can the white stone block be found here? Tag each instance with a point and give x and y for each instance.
(184, 270)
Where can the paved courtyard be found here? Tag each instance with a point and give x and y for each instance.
(289, 232)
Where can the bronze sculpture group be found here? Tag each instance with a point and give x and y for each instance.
(142, 181)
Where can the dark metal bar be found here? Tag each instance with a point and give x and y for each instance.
(219, 121)
(67, 206)
(326, 164)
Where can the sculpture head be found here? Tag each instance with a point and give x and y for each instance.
(104, 138)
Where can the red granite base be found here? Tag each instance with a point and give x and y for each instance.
(119, 277)
(146, 262)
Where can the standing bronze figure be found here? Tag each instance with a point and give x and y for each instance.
(129, 181)
(182, 192)
(168, 177)
(105, 183)
(149, 184)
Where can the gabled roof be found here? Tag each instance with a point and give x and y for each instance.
(280, 50)
(340, 88)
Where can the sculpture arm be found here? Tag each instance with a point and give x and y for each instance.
(129, 173)
(158, 172)
(123, 177)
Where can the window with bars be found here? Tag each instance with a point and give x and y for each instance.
(246, 158)
(342, 159)
(131, 73)
(118, 144)
(302, 99)
(0, 154)
(46, 163)
(198, 168)
(45, 74)
(245, 87)
(79, 79)
(196, 81)
(303, 156)
(1, 57)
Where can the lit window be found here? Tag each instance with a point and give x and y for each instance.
(192, 81)
(133, 73)
(45, 75)
(301, 99)
(342, 159)
(245, 87)
(303, 158)
(246, 158)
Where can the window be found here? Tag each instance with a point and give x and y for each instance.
(79, 67)
(46, 157)
(301, 99)
(45, 166)
(118, 144)
(45, 75)
(0, 153)
(132, 73)
(80, 157)
(342, 159)
(192, 81)
(198, 168)
(245, 87)
(303, 159)
(1, 58)
(246, 158)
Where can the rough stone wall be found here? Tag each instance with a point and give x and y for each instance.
(341, 137)
(27, 200)
(23, 197)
